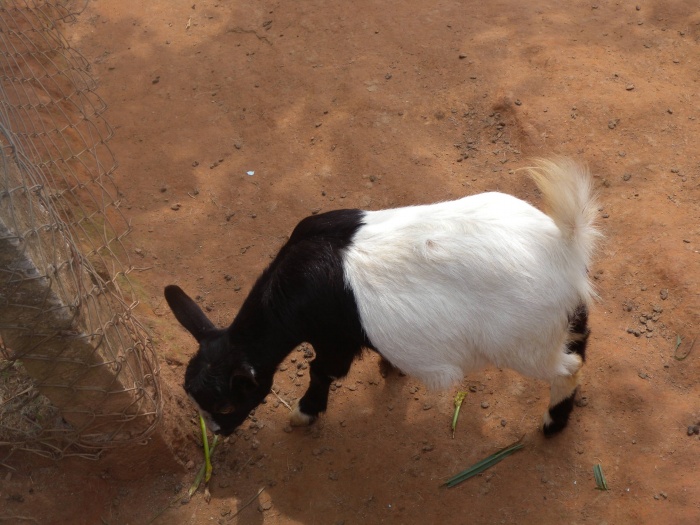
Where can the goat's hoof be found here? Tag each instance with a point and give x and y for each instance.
(299, 419)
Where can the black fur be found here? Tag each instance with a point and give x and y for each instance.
(560, 415)
(578, 326)
(300, 297)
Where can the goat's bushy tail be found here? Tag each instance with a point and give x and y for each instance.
(567, 189)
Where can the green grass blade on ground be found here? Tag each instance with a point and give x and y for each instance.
(484, 464)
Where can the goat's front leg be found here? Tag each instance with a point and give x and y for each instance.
(323, 371)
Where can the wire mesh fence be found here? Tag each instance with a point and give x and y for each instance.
(78, 372)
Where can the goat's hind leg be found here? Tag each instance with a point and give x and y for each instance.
(564, 386)
(328, 366)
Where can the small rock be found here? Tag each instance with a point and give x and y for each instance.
(267, 505)
(693, 429)
(626, 177)
(189, 465)
(427, 406)
(663, 294)
(629, 87)
(428, 448)
(462, 56)
(484, 404)
(333, 476)
(581, 402)
(503, 422)
(176, 206)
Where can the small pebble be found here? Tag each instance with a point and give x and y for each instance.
(484, 404)
(629, 87)
(626, 176)
(663, 294)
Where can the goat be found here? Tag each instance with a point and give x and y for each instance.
(437, 290)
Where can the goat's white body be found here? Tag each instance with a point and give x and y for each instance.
(447, 288)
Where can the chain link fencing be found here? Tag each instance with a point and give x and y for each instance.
(78, 372)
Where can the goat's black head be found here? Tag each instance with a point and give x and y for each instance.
(218, 379)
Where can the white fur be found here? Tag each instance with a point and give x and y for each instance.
(298, 418)
(447, 288)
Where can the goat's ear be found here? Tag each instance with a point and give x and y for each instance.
(188, 312)
(243, 378)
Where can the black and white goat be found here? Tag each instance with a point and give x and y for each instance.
(437, 290)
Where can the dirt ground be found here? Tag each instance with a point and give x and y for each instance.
(234, 120)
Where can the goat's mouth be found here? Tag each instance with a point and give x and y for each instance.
(211, 424)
